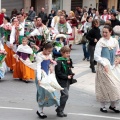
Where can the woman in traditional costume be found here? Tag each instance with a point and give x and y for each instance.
(24, 69)
(73, 22)
(44, 97)
(6, 27)
(11, 45)
(107, 85)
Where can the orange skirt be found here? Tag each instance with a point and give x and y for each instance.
(23, 72)
(10, 60)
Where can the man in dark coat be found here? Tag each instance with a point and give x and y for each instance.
(43, 16)
(114, 20)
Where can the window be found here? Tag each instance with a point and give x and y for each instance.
(57, 4)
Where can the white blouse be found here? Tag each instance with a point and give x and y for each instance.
(111, 43)
(39, 58)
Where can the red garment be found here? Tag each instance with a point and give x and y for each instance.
(62, 22)
(73, 22)
(1, 18)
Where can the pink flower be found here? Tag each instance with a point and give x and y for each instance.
(118, 52)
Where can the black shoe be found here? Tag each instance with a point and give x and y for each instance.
(84, 58)
(103, 110)
(41, 115)
(57, 110)
(93, 71)
(65, 115)
(20, 78)
(88, 60)
(60, 114)
(114, 109)
(26, 81)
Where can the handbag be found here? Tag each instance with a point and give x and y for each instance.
(72, 81)
(84, 39)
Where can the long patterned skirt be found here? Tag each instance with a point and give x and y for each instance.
(107, 85)
(45, 98)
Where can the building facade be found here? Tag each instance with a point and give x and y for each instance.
(57, 4)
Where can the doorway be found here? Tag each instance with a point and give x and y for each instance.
(33, 3)
(103, 4)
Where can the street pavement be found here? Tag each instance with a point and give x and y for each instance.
(18, 99)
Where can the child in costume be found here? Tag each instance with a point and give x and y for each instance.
(46, 95)
(24, 69)
(64, 77)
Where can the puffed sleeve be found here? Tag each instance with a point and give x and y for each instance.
(34, 33)
(97, 54)
(12, 35)
(69, 28)
(38, 61)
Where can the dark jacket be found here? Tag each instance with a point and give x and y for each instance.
(43, 16)
(115, 22)
(61, 73)
(93, 34)
(50, 17)
(31, 15)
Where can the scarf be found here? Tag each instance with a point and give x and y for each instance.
(65, 66)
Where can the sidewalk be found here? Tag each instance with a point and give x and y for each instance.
(84, 76)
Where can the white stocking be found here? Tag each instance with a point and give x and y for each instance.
(103, 104)
(40, 109)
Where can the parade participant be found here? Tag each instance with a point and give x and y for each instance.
(56, 19)
(22, 68)
(105, 16)
(44, 98)
(63, 27)
(107, 85)
(3, 66)
(41, 32)
(93, 39)
(11, 45)
(73, 23)
(2, 14)
(21, 29)
(64, 76)
(6, 27)
(25, 27)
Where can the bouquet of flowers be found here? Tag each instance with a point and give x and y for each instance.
(7, 31)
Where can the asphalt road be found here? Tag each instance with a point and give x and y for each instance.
(18, 100)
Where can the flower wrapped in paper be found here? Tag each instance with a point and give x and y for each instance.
(28, 28)
(2, 56)
(7, 31)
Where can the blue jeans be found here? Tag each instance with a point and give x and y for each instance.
(85, 51)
